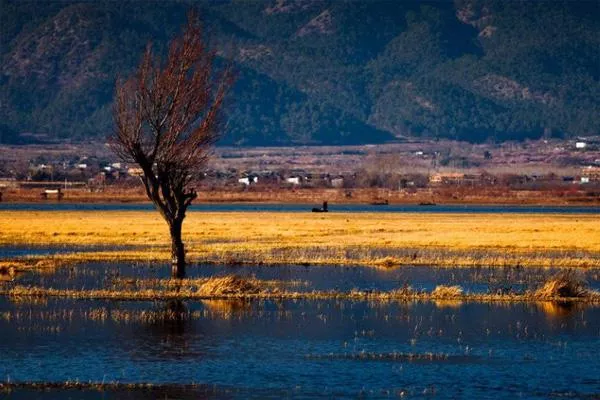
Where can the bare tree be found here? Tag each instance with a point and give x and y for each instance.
(167, 118)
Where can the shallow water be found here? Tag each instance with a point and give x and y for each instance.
(8, 252)
(307, 349)
(299, 278)
(230, 207)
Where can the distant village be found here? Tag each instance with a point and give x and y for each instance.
(54, 174)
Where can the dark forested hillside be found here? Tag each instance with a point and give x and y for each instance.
(319, 71)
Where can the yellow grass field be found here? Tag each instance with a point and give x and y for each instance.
(386, 239)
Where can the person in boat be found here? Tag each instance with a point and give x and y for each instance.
(322, 209)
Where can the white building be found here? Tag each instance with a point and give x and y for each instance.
(294, 180)
(580, 145)
(337, 182)
(248, 180)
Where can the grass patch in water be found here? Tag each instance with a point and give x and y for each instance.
(229, 287)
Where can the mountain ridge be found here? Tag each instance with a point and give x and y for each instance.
(320, 71)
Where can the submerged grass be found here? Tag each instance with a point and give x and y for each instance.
(383, 240)
(563, 288)
(118, 389)
(393, 356)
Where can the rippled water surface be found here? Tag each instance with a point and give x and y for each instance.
(273, 349)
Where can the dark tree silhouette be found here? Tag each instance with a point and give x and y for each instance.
(167, 118)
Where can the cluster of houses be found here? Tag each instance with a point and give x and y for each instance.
(588, 174)
(292, 179)
(587, 143)
(118, 169)
(95, 174)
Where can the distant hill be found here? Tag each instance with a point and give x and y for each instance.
(319, 71)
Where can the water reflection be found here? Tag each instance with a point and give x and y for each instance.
(7, 274)
(334, 348)
(228, 308)
(560, 310)
(165, 334)
(448, 303)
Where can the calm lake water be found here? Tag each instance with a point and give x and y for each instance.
(230, 207)
(97, 275)
(306, 349)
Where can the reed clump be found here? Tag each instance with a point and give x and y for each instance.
(565, 284)
(229, 285)
(447, 292)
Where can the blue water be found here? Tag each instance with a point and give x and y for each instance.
(12, 251)
(310, 349)
(306, 208)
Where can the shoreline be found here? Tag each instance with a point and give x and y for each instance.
(315, 196)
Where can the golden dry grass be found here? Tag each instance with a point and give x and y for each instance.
(384, 239)
(233, 287)
(564, 284)
(447, 292)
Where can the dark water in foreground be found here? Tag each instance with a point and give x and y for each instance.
(306, 349)
(306, 278)
(250, 207)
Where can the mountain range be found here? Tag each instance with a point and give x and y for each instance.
(317, 71)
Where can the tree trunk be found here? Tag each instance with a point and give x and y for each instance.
(177, 250)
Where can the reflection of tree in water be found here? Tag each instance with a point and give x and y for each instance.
(168, 335)
(174, 328)
(171, 331)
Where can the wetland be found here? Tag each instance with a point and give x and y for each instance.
(289, 304)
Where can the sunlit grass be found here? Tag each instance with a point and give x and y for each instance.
(379, 239)
(235, 287)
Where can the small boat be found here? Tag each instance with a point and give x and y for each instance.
(322, 209)
(427, 203)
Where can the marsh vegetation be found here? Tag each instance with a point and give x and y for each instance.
(431, 303)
